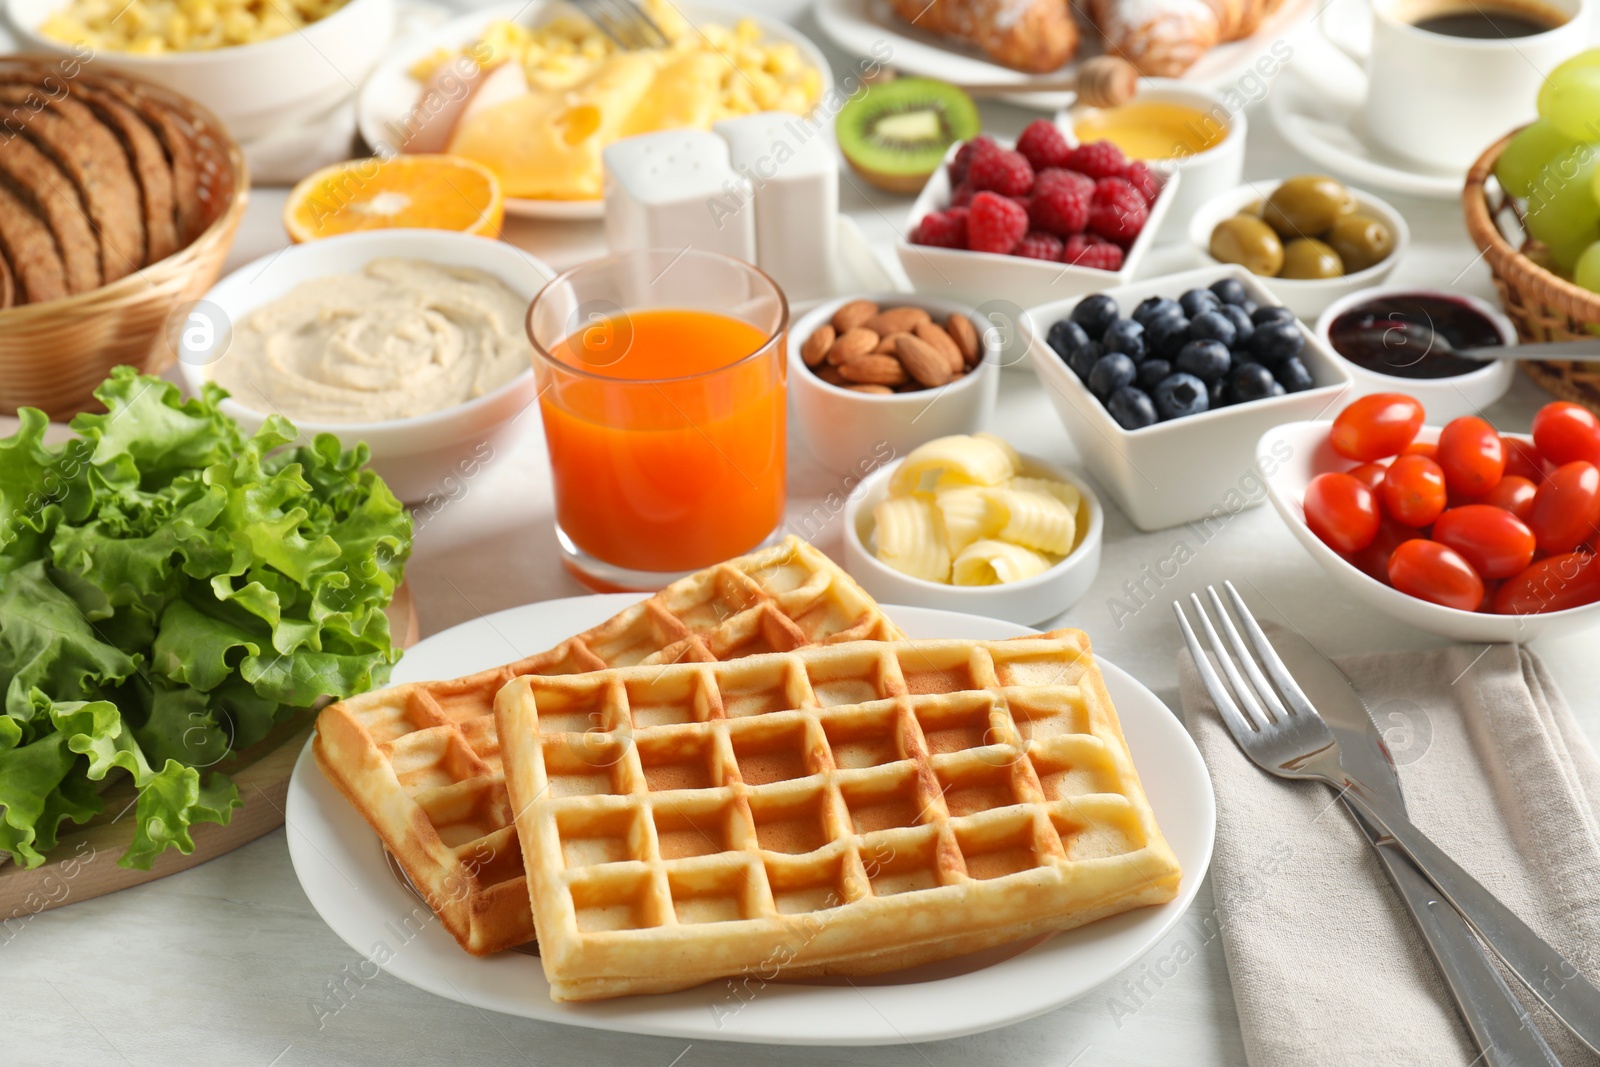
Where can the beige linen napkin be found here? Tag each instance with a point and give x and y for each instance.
(1326, 965)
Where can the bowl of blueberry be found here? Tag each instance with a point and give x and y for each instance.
(1165, 386)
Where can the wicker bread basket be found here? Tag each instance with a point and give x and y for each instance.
(54, 354)
(1543, 305)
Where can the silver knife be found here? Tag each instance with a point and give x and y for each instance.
(1496, 1019)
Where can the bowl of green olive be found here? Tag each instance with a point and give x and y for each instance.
(1310, 239)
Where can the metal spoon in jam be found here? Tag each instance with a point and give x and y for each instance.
(1421, 335)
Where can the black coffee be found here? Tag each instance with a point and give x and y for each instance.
(1490, 23)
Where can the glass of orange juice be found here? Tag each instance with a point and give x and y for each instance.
(662, 384)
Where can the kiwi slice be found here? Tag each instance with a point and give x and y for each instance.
(895, 134)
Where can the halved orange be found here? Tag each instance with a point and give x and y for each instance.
(431, 192)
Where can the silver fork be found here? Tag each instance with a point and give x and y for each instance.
(624, 22)
(1287, 737)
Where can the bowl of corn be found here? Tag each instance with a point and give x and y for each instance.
(258, 65)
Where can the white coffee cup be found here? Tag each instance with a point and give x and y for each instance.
(1440, 100)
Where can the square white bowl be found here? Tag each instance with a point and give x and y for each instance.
(1191, 468)
(977, 277)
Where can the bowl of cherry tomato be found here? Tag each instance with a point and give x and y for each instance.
(1461, 530)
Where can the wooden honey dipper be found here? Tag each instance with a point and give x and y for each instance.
(1101, 81)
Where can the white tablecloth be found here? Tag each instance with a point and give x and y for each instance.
(225, 963)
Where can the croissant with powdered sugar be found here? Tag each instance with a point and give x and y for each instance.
(1029, 35)
(1163, 38)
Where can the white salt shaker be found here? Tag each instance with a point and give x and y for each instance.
(667, 190)
(787, 163)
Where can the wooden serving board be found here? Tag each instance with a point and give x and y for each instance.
(84, 865)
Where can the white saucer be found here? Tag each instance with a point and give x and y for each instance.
(867, 27)
(1327, 127)
(342, 867)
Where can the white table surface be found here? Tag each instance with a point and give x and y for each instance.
(223, 964)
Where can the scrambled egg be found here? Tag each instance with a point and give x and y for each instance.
(576, 92)
(154, 27)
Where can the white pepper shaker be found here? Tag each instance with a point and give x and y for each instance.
(667, 189)
(788, 164)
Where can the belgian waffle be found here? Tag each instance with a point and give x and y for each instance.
(847, 809)
(422, 764)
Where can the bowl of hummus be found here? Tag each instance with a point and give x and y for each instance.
(409, 340)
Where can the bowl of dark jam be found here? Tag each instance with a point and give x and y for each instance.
(1409, 340)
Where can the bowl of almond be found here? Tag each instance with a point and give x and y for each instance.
(873, 376)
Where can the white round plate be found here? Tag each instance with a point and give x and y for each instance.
(341, 866)
(864, 27)
(391, 93)
(1326, 126)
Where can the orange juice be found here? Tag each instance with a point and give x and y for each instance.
(667, 443)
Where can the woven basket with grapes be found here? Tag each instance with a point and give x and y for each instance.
(1533, 208)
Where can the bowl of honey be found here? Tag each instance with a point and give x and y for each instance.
(1199, 132)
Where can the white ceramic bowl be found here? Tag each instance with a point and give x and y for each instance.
(850, 432)
(420, 457)
(1443, 398)
(1306, 297)
(1200, 468)
(1289, 456)
(1207, 174)
(980, 277)
(1033, 600)
(253, 88)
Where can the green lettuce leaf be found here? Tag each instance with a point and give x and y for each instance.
(31, 776)
(47, 643)
(169, 591)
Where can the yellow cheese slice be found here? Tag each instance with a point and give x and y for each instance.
(684, 95)
(546, 144)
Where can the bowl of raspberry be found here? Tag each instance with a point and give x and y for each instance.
(1035, 221)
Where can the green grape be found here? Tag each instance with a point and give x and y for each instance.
(1570, 96)
(1587, 272)
(1528, 153)
(1562, 209)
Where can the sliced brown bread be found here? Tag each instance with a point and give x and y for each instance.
(27, 245)
(76, 141)
(150, 167)
(177, 141)
(8, 284)
(33, 178)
